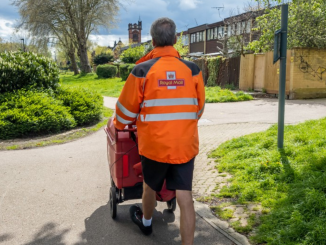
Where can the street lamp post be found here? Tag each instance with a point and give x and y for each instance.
(23, 44)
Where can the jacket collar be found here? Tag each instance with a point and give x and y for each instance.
(160, 52)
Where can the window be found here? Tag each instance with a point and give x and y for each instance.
(238, 28)
(135, 37)
(220, 32)
(229, 30)
(248, 27)
(185, 40)
(215, 33)
(200, 35)
(212, 34)
(197, 37)
(192, 38)
(243, 27)
(209, 34)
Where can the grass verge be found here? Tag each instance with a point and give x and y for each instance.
(112, 87)
(218, 95)
(56, 139)
(289, 184)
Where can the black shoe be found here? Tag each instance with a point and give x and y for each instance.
(136, 216)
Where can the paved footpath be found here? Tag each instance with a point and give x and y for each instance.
(58, 194)
(224, 121)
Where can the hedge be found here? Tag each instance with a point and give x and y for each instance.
(125, 70)
(27, 70)
(85, 105)
(101, 59)
(213, 68)
(106, 71)
(26, 113)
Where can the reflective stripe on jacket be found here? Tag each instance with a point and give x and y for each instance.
(166, 96)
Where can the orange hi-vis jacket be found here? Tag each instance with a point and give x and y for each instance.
(166, 96)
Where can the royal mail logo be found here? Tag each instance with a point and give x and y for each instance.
(175, 82)
(170, 75)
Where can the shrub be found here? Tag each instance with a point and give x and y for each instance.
(132, 54)
(85, 105)
(106, 71)
(27, 70)
(101, 59)
(24, 113)
(213, 68)
(125, 70)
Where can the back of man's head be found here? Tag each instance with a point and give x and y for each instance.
(163, 32)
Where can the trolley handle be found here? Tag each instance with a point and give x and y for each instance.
(109, 136)
(129, 129)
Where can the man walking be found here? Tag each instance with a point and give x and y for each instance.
(166, 96)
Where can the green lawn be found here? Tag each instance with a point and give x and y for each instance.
(108, 87)
(218, 95)
(113, 86)
(290, 184)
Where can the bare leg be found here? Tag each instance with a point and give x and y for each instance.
(149, 201)
(187, 216)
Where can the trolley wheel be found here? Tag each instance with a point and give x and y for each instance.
(113, 202)
(112, 183)
(172, 205)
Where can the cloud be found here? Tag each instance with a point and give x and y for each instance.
(108, 40)
(6, 29)
(188, 4)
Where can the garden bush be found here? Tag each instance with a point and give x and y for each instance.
(103, 58)
(26, 113)
(132, 54)
(213, 69)
(27, 70)
(106, 71)
(85, 105)
(125, 70)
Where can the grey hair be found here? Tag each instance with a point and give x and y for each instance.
(163, 32)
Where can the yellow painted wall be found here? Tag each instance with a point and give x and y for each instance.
(305, 73)
(308, 73)
(272, 76)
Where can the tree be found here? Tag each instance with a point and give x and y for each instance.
(237, 31)
(180, 47)
(306, 28)
(132, 54)
(74, 18)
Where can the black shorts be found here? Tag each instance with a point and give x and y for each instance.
(178, 176)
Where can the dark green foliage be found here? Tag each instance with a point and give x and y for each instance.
(213, 68)
(85, 105)
(125, 70)
(27, 70)
(25, 113)
(106, 71)
(202, 64)
(28, 113)
(101, 59)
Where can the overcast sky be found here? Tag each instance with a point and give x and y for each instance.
(185, 13)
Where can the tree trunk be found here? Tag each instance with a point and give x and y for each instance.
(84, 62)
(73, 62)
